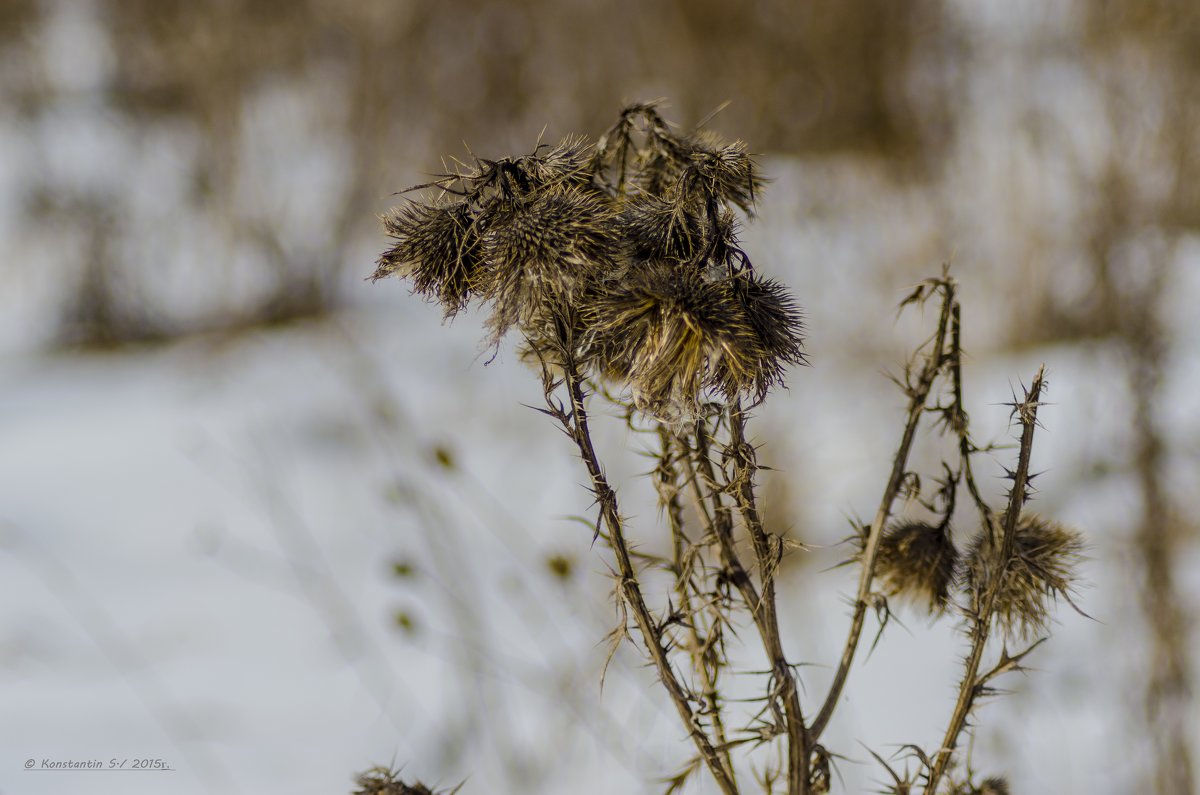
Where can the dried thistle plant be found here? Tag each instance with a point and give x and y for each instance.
(618, 263)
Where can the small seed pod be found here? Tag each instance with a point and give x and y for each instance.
(1042, 568)
(437, 248)
(918, 561)
(568, 163)
(989, 786)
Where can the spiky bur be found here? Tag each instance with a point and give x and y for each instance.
(385, 781)
(622, 257)
(541, 254)
(989, 786)
(722, 170)
(918, 561)
(437, 249)
(1042, 569)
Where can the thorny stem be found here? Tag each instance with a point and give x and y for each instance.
(668, 491)
(762, 607)
(768, 550)
(576, 426)
(918, 393)
(971, 684)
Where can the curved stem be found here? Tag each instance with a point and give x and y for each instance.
(918, 393)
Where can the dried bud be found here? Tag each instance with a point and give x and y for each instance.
(569, 163)
(385, 781)
(437, 249)
(918, 561)
(1042, 567)
(989, 786)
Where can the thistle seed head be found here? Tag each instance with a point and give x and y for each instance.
(437, 248)
(658, 229)
(918, 561)
(1042, 568)
(569, 163)
(662, 329)
(766, 338)
(621, 257)
(989, 786)
(542, 252)
(385, 781)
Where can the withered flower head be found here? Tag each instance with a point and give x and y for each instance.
(765, 340)
(658, 229)
(724, 171)
(540, 253)
(1042, 568)
(437, 248)
(918, 561)
(570, 162)
(662, 328)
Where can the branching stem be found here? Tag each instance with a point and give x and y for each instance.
(575, 424)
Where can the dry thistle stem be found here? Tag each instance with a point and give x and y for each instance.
(1041, 569)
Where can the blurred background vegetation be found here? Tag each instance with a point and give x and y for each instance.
(174, 168)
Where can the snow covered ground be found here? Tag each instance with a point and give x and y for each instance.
(199, 538)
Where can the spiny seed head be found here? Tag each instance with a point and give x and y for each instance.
(766, 338)
(385, 781)
(658, 229)
(1044, 557)
(437, 248)
(662, 328)
(568, 163)
(541, 252)
(918, 561)
(621, 258)
(723, 171)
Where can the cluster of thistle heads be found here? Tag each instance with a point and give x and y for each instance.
(920, 561)
(618, 259)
